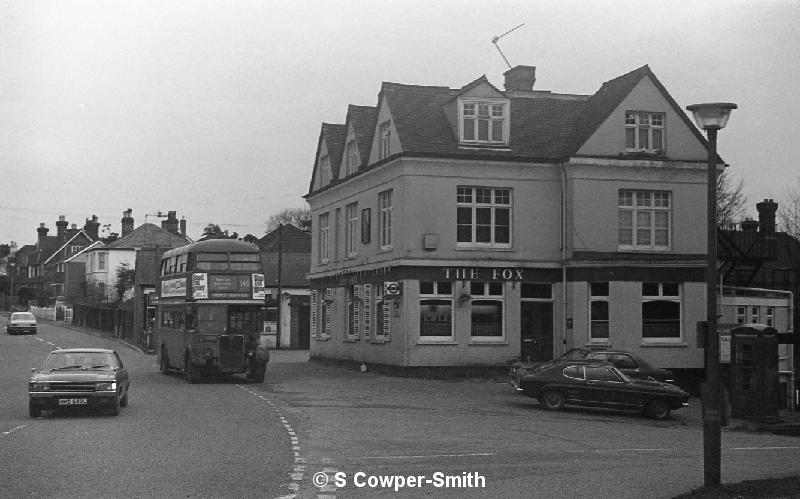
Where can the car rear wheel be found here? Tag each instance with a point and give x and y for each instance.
(553, 400)
(658, 409)
(35, 410)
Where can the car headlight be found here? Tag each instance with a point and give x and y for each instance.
(106, 386)
(38, 387)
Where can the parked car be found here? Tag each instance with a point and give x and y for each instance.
(21, 322)
(79, 377)
(599, 384)
(631, 364)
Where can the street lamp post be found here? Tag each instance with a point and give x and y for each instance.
(711, 118)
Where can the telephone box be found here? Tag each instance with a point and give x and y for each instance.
(753, 381)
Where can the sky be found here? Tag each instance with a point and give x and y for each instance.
(213, 108)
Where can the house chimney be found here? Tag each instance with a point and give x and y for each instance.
(61, 227)
(749, 225)
(171, 223)
(42, 230)
(92, 227)
(520, 78)
(766, 217)
(127, 222)
(183, 226)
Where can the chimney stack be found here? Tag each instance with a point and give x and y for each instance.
(42, 230)
(61, 228)
(127, 222)
(183, 226)
(766, 217)
(92, 228)
(171, 223)
(520, 78)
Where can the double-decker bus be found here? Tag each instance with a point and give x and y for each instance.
(210, 313)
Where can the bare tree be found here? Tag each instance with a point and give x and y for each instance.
(789, 212)
(730, 200)
(299, 217)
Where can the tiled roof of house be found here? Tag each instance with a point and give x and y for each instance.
(148, 235)
(290, 238)
(543, 127)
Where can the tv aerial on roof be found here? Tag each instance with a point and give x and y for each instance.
(495, 38)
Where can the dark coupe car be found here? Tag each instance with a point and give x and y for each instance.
(599, 384)
(79, 377)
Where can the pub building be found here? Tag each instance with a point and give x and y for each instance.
(475, 226)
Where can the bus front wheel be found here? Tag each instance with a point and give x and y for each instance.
(190, 372)
(164, 361)
(258, 373)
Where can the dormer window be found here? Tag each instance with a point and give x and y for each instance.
(352, 157)
(324, 171)
(385, 145)
(484, 121)
(644, 132)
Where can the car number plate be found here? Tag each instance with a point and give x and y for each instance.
(72, 401)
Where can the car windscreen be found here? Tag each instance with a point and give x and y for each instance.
(79, 360)
(22, 316)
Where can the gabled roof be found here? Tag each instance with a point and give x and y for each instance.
(362, 119)
(333, 136)
(290, 238)
(148, 235)
(94, 244)
(74, 235)
(610, 96)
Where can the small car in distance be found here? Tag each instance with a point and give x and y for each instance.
(21, 322)
(599, 384)
(79, 377)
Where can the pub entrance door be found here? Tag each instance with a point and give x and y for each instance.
(536, 331)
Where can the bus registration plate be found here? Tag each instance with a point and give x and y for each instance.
(72, 401)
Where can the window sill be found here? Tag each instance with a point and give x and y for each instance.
(479, 146)
(598, 343)
(379, 340)
(479, 342)
(322, 338)
(483, 248)
(667, 344)
(448, 341)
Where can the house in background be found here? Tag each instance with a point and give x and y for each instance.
(41, 266)
(475, 226)
(140, 249)
(285, 261)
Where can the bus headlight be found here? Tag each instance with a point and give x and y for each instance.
(208, 353)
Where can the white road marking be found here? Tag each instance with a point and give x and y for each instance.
(471, 454)
(767, 448)
(16, 428)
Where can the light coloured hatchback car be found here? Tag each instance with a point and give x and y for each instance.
(21, 322)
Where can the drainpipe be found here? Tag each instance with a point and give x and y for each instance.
(564, 300)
